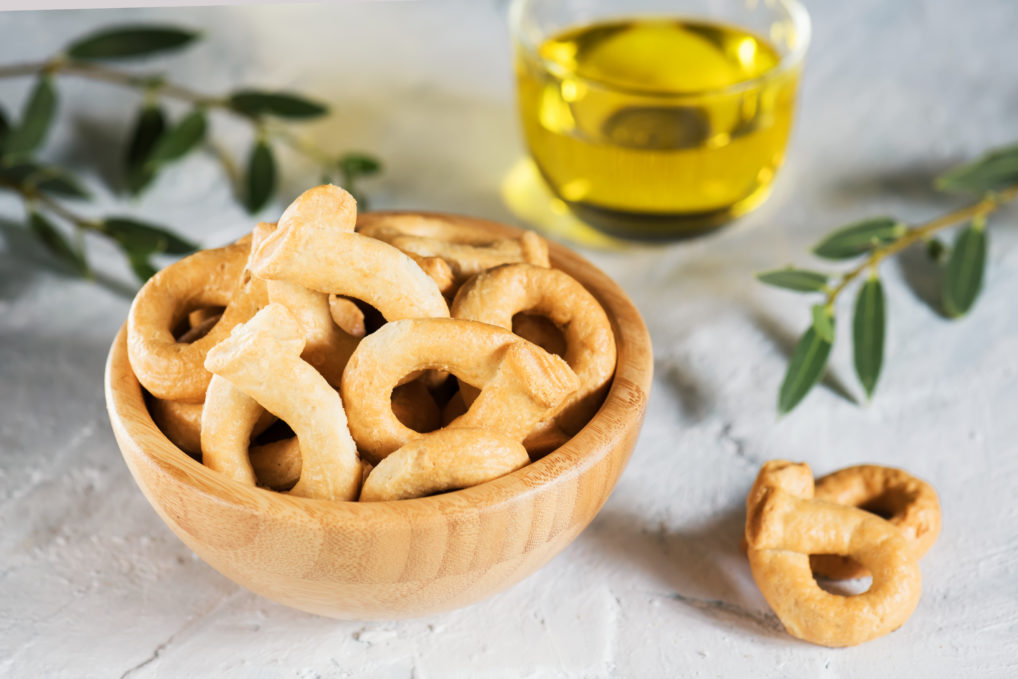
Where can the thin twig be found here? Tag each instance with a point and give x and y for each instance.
(60, 210)
(915, 234)
(299, 144)
(156, 85)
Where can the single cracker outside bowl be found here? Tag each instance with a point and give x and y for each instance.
(784, 525)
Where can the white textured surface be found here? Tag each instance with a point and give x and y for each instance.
(93, 584)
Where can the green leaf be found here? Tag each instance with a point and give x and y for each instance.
(261, 176)
(804, 370)
(148, 130)
(256, 103)
(354, 165)
(5, 126)
(799, 280)
(140, 264)
(859, 238)
(992, 172)
(55, 242)
(964, 275)
(179, 140)
(936, 250)
(56, 182)
(823, 322)
(36, 119)
(46, 178)
(130, 41)
(868, 328)
(142, 239)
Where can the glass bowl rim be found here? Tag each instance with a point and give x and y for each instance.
(792, 59)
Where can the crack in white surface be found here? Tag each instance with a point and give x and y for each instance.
(157, 651)
(155, 654)
(767, 621)
(737, 445)
(39, 475)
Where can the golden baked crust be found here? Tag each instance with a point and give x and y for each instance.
(785, 524)
(910, 504)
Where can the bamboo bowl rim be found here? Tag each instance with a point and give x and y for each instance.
(622, 409)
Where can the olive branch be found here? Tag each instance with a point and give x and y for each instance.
(994, 178)
(155, 142)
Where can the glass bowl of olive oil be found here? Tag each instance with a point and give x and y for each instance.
(658, 118)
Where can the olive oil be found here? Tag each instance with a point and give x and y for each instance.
(657, 117)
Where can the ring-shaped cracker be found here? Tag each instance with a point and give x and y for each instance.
(497, 295)
(174, 370)
(908, 503)
(415, 407)
(347, 315)
(327, 347)
(784, 525)
(521, 384)
(277, 465)
(443, 460)
(349, 264)
(179, 421)
(466, 249)
(260, 361)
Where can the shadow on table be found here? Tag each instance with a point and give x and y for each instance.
(701, 568)
(692, 393)
(25, 259)
(19, 261)
(912, 181)
(784, 341)
(924, 277)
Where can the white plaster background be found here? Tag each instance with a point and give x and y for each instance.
(93, 584)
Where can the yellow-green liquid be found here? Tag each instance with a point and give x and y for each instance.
(657, 117)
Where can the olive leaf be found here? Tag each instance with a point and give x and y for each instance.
(823, 321)
(963, 277)
(45, 178)
(799, 280)
(50, 236)
(36, 118)
(936, 249)
(859, 238)
(994, 171)
(140, 264)
(354, 165)
(179, 140)
(256, 103)
(804, 370)
(141, 238)
(261, 176)
(55, 181)
(130, 41)
(148, 130)
(868, 329)
(5, 126)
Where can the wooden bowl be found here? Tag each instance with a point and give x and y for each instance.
(394, 559)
